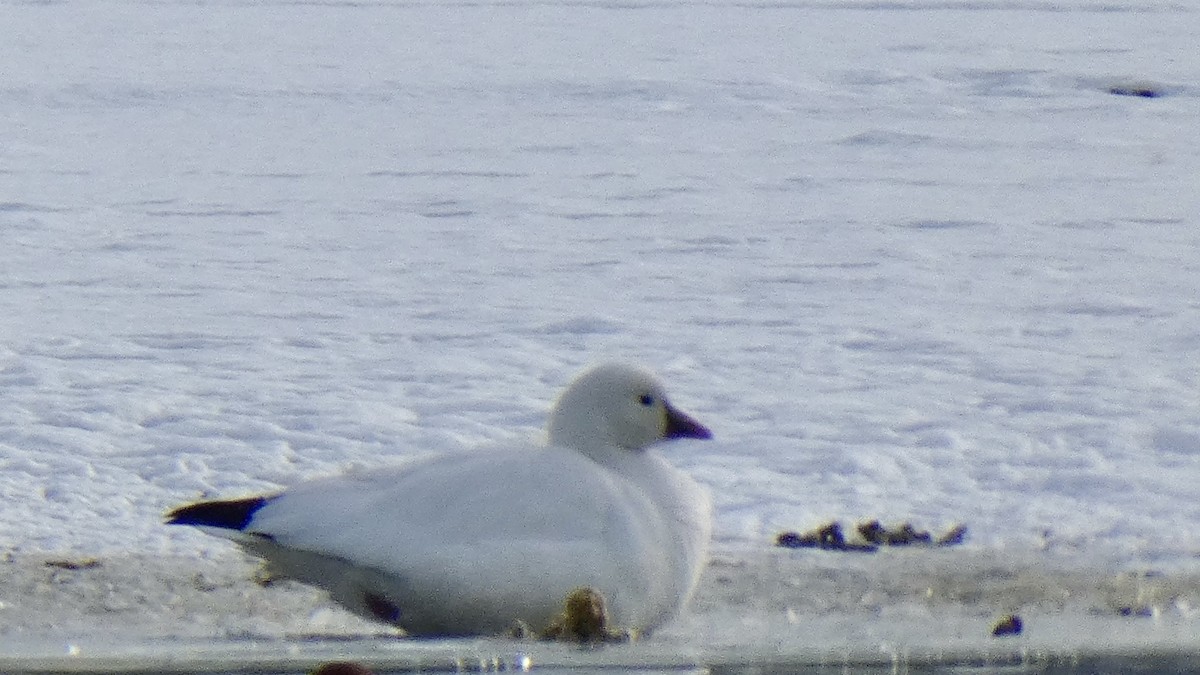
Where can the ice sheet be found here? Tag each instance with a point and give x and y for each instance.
(909, 260)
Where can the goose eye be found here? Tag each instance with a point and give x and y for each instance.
(646, 400)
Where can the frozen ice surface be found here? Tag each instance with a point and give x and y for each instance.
(912, 608)
(910, 260)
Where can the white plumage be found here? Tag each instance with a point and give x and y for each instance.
(471, 543)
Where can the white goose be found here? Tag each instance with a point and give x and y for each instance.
(471, 543)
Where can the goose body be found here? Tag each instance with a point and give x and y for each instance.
(470, 543)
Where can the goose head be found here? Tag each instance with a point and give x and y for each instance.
(617, 406)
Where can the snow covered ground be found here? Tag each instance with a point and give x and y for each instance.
(909, 260)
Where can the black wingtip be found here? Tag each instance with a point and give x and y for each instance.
(231, 514)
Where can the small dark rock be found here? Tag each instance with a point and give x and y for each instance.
(830, 536)
(858, 547)
(907, 534)
(793, 540)
(84, 564)
(953, 537)
(873, 534)
(904, 535)
(1009, 625)
(873, 531)
(585, 617)
(1140, 91)
(827, 538)
(584, 620)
